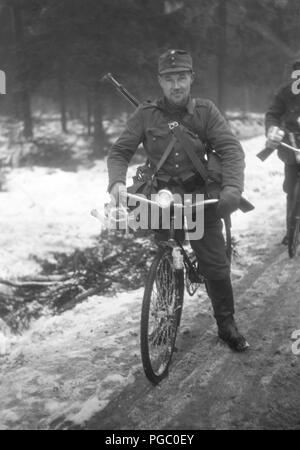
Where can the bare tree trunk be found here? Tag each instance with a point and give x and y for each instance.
(100, 139)
(89, 112)
(27, 118)
(222, 54)
(246, 89)
(23, 94)
(62, 98)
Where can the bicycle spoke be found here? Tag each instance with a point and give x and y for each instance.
(162, 305)
(162, 312)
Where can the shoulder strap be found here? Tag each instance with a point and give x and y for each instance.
(165, 155)
(180, 133)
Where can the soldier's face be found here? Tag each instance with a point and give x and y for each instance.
(176, 86)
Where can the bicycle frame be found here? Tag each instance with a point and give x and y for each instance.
(111, 216)
(169, 274)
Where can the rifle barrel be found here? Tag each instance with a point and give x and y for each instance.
(108, 77)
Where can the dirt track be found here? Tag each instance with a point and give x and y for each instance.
(82, 369)
(210, 387)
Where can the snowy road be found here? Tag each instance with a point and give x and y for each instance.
(83, 369)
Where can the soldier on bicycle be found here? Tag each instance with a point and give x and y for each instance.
(205, 125)
(282, 122)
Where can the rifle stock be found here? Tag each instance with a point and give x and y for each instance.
(245, 205)
(265, 153)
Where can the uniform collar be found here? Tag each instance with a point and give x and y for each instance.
(166, 106)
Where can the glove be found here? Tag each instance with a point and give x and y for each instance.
(118, 194)
(229, 201)
(274, 137)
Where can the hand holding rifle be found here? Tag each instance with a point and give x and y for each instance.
(274, 139)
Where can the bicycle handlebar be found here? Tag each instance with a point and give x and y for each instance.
(123, 212)
(178, 205)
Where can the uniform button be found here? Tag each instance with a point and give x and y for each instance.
(154, 139)
(176, 165)
(176, 154)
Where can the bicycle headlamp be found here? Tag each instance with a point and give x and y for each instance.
(164, 198)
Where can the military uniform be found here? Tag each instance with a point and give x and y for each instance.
(149, 125)
(205, 127)
(284, 112)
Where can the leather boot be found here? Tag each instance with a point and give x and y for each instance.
(221, 295)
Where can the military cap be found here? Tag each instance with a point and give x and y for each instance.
(174, 61)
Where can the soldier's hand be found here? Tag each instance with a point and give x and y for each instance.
(274, 137)
(229, 201)
(118, 194)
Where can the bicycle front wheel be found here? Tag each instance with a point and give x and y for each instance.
(160, 318)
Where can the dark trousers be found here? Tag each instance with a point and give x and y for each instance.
(214, 264)
(290, 178)
(211, 249)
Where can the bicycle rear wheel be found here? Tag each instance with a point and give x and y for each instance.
(294, 228)
(160, 318)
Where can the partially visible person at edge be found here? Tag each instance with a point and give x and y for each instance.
(149, 125)
(282, 123)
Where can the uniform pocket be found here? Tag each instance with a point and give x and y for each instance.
(157, 139)
(156, 132)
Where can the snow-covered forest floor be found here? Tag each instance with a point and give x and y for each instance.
(65, 368)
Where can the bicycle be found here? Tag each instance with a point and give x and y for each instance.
(294, 219)
(173, 269)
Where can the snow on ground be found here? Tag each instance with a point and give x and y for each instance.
(47, 210)
(265, 226)
(71, 364)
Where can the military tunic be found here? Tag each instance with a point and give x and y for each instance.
(284, 112)
(149, 125)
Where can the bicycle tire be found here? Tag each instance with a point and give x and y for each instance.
(164, 308)
(294, 228)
